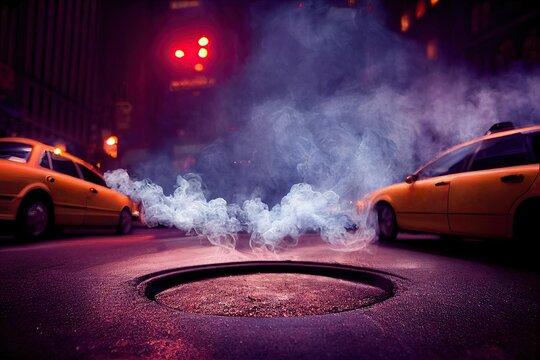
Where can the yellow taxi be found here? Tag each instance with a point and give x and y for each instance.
(43, 188)
(487, 188)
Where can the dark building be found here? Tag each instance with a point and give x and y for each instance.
(74, 71)
(490, 35)
(49, 59)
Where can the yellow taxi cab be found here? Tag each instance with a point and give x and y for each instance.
(486, 188)
(42, 188)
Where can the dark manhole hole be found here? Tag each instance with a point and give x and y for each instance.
(267, 289)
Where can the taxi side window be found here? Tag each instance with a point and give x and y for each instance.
(451, 163)
(91, 176)
(501, 152)
(64, 165)
(45, 162)
(14, 151)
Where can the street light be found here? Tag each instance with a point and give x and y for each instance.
(110, 146)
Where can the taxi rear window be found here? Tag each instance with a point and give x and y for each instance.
(15, 151)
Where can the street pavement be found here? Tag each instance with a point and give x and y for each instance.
(77, 297)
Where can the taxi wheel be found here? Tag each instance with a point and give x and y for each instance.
(34, 219)
(387, 228)
(125, 222)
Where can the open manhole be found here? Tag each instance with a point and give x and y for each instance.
(267, 289)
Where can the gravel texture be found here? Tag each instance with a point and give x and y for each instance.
(270, 295)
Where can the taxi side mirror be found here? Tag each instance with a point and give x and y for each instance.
(411, 178)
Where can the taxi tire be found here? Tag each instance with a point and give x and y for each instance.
(386, 218)
(35, 211)
(125, 222)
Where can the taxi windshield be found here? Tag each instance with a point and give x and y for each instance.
(15, 151)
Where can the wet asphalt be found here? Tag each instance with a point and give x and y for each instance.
(77, 297)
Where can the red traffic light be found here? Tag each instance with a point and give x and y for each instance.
(179, 54)
(203, 53)
(203, 41)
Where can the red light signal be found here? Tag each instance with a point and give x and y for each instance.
(203, 53)
(203, 41)
(179, 54)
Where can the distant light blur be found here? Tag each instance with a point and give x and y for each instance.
(432, 50)
(198, 67)
(405, 22)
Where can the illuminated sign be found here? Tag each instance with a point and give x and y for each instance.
(193, 83)
(184, 4)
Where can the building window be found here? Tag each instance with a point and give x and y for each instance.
(405, 22)
(485, 15)
(420, 8)
(475, 19)
(432, 50)
(505, 55)
(531, 48)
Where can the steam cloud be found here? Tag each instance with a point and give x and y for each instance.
(331, 105)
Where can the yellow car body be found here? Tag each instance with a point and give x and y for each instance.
(73, 192)
(493, 186)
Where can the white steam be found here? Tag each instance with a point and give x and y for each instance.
(303, 209)
(331, 105)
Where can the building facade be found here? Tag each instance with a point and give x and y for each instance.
(492, 36)
(50, 60)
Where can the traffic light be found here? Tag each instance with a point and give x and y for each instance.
(192, 54)
(192, 61)
(110, 146)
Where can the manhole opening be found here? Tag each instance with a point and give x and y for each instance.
(267, 289)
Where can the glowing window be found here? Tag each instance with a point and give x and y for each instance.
(405, 22)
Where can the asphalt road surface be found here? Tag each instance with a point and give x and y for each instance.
(77, 297)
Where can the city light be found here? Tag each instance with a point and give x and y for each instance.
(179, 54)
(111, 140)
(198, 67)
(434, 2)
(405, 22)
(57, 151)
(432, 50)
(203, 53)
(192, 83)
(420, 8)
(110, 146)
(203, 41)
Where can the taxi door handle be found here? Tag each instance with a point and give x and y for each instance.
(442, 183)
(516, 178)
(50, 179)
(93, 191)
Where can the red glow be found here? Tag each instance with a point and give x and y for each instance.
(203, 53)
(179, 54)
(198, 67)
(203, 41)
